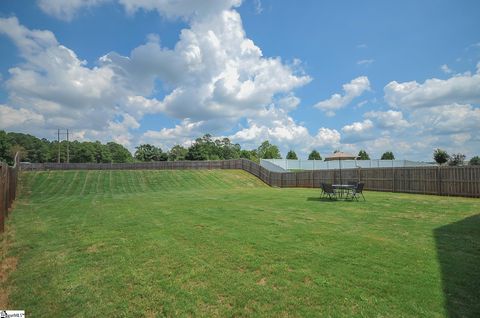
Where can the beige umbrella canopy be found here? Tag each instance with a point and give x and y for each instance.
(340, 156)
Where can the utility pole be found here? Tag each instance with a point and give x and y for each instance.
(67, 133)
(68, 150)
(58, 139)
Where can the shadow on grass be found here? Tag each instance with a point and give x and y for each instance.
(326, 199)
(458, 251)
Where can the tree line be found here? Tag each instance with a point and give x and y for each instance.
(207, 148)
(456, 159)
(33, 149)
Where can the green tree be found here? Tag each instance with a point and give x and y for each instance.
(81, 152)
(177, 153)
(268, 151)
(456, 159)
(43, 150)
(363, 155)
(147, 152)
(475, 161)
(17, 149)
(292, 155)
(388, 156)
(36, 150)
(53, 152)
(440, 156)
(207, 148)
(314, 155)
(101, 153)
(202, 149)
(197, 152)
(4, 147)
(226, 150)
(250, 155)
(119, 153)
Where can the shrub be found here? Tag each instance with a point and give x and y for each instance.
(440, 156)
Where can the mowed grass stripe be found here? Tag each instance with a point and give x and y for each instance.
(76, 182)
(98, 189)
(85, 182)
(134, 186)
(44, 181)
(106, 184)
(222, 243)
(61, 181)
(54, 184)
(141, 181)
(69, 180)
(146, 178)
(93, 186)
(123, 182)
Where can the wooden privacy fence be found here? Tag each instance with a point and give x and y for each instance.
(454, 181)
(8, 188)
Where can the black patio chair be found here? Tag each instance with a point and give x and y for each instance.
(357, 191)
(353, 183)
(322, 188)
(329, 191)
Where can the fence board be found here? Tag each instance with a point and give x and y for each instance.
(8, 189)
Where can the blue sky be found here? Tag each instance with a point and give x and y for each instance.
(401, 76)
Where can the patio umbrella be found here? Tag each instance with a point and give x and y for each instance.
(340, 156)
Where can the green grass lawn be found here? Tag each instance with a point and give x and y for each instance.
(222, 243)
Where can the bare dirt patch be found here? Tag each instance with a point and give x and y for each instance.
(262, 282)
(7, 266)
(95, 248)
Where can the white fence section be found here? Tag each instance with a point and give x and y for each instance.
(271, 166)
(282, 165)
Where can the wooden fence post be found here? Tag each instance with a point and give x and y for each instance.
(2, 197)
(8, 188)
(439, 180)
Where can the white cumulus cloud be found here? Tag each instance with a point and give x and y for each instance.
(358, 127)
(354, 89)
(357, 131)
(276, 125)
(67, 9)
(54, 82)
(214, 71)
(365, 62)
(14, 118)
(448, 119)
(445, 69)
(462, 89)
(217, 80)
(442, 113)
(388, 119)
(214, 76)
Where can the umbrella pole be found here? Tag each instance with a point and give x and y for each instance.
(340, 161)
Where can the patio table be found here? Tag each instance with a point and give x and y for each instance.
(343, 188)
